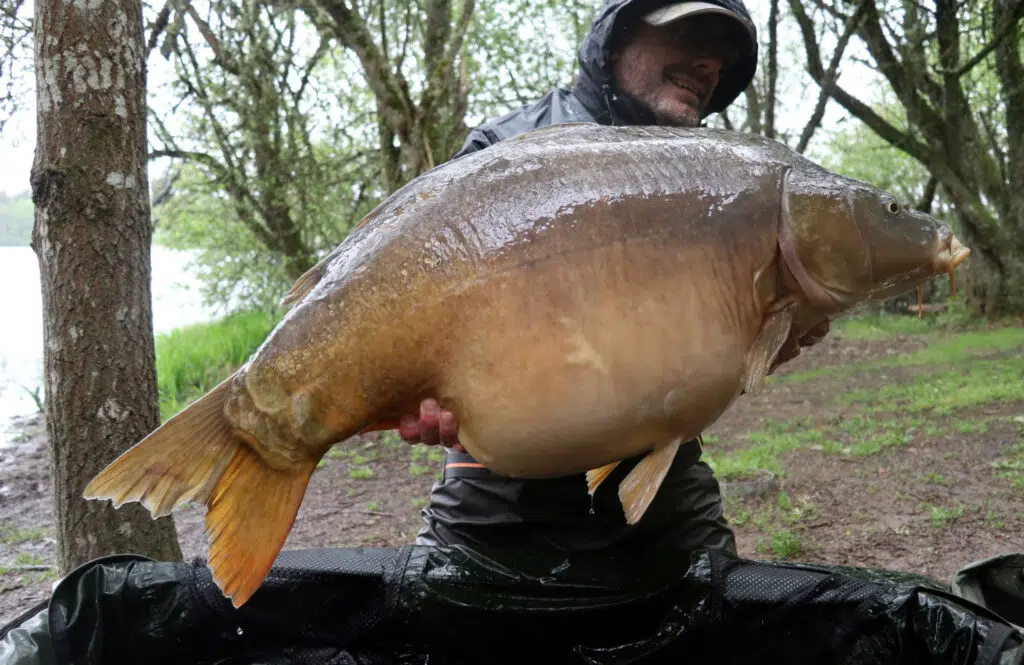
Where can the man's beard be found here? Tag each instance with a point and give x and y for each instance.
(672, 117)
(688, 118)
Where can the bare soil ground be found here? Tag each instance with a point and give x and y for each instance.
(924, 491)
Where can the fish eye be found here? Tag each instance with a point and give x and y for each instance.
(894, 207)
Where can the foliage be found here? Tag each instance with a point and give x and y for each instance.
(518, 50)
(191, 361)
(337, 135)
(271, 170)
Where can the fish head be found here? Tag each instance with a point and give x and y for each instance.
(845, 241)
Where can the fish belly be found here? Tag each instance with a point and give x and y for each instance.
(566, 367)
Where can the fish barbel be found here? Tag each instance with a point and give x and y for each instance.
(577, 295)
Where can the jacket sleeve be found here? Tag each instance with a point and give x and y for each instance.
(555, 107)
(481, 137)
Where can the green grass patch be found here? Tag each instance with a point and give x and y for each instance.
(192, 360)
(940, 392)
(360, 472)
(1011, 467)
(765, 450)
(858, 436)
(786, 543)
(941, 516)
(12, 535)
(882, 326)
(943, 351)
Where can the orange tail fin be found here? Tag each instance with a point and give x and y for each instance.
(197, 456)
(251, 511)
(179, 462)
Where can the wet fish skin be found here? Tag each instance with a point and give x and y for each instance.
(576, 295)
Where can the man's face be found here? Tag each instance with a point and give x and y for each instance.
(673, 69)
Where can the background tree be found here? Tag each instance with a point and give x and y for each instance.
(269, 167)
(308, 101)
(92, 236)
(955, 70)
(15, 52)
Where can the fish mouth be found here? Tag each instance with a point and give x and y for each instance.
(950, 258)
(956, 252)
(951, 252)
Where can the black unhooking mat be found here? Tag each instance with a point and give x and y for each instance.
(427, 605)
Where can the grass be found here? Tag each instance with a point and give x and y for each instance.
(881, 326)
(948, 386)
(941, 516)
(781, 521)
(1011, 466)
(12, 535)
(943, 350)
(194, 359)
(951, 375)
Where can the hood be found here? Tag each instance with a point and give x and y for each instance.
(594, 81)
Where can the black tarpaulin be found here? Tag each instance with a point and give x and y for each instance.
(458, 606)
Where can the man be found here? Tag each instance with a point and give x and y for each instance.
(643, 63)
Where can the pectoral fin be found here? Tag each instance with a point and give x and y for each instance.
(637, 489)
(597, 476)
(774, 332)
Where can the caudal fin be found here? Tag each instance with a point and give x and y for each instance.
(179, 462)
(251, 511)
(197, 456)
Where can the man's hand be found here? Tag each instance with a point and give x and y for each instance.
(434, 426)
(791, 349)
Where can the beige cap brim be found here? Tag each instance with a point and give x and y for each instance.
(679, 10)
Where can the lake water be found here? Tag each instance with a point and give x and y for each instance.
(176, 302)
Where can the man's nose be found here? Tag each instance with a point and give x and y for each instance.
(708, 63)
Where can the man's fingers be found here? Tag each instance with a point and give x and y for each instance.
(430, 415)
(448, 428)
(409, 429)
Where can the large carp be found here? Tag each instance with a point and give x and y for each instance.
(576, 295)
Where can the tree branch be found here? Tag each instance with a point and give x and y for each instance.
(902, 140)
(1015, 15)
(773, 68)
(440, 72)
(191, 156)
(829, 77)
(899, 74)
(388, 86)
(211, 39)
(158, 27)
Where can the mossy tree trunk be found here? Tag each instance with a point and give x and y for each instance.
(92, 237)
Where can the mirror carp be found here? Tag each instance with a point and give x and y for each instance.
(577, 295)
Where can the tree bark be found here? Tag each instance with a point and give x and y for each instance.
(92, 237)
(773, 68)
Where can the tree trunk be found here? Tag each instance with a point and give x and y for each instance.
(92, 237)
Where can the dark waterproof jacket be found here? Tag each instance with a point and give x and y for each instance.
(594, 97)
(474, 507)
